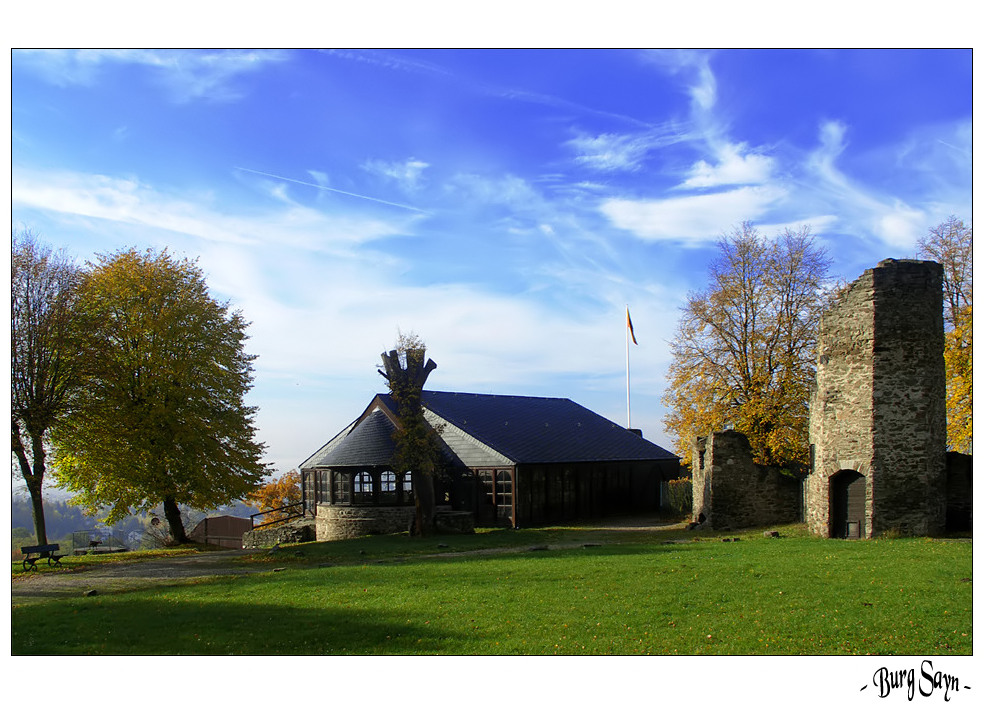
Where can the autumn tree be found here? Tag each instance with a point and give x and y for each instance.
(44, 359)
(743, 350)
(416, 443)
(162, 418)
(951, 244)
(277, 493)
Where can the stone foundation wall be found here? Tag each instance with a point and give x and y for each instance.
(732, 492)
(341, 522)
(299, 531)
(878, 408)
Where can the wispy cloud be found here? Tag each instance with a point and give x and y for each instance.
(695, 66)
(407, 174)
(391, 61)
(187, 74)
(130, 202)
(610, 152)
(332, 190)
(691, 219)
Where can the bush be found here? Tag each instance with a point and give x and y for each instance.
(680, 497)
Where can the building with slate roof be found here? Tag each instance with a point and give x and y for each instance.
(506, 460)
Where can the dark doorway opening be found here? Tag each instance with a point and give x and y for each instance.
(847, 499)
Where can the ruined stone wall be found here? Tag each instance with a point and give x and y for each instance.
(298, 531)
(733, 492)
(699, 481)
(879, 403)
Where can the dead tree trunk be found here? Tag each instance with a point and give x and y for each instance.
(414, 446)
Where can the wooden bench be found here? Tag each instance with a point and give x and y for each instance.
(33, 553)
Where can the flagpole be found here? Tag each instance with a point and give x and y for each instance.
(628, 395)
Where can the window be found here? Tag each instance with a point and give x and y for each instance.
(387, 487)
(322, 492)
(362, 488)
(487, 477)
(503, 487)
(341, 488)
(407, 482)
(309, 498)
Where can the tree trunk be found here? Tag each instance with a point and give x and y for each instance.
(34, 480)
(37, 505)
(423, 494)
(173, 515)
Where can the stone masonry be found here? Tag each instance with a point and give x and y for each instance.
(297, 531)
(732, 492)
(878, 413)
(341, 522)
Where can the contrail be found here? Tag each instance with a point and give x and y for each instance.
(333, 190)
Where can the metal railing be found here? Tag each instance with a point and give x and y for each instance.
(99, 540)
(289, 515)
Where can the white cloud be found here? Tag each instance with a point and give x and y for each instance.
(703, 88)
(735, 166)
(901, 227)
(130, 202)
(691, 219)
(506, 190)
(832, 145)
(407, 174)
(610, 152)
(621, 152)
(187, 74)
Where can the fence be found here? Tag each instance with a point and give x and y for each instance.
(100, 540)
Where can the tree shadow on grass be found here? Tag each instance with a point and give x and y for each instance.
(151, 625)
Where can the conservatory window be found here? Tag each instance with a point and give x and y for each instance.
(362, 488)
(407, 487)
(341, 488)
(387, 487)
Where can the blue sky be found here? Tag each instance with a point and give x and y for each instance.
(505, 205)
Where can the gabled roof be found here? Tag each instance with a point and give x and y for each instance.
(490, 430)
(367, 443)
(540, 430)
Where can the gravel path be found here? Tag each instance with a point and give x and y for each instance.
(124, 576)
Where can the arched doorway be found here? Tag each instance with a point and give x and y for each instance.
(847, 501)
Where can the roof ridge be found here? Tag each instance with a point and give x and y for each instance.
(472, 393)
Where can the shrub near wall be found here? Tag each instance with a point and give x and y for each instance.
(680, 497)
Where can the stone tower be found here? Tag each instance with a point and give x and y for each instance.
(878, 412)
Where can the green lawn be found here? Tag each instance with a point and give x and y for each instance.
(624, 593)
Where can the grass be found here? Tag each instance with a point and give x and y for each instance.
(624, 593)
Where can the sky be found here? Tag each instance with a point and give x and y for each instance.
(504, 205)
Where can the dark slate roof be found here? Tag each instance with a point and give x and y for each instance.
(370, 444)
(539, 430)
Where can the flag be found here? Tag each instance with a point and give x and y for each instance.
(628, 322)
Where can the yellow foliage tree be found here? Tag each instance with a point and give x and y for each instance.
(960, 384)
(161, 416)
(951, 244)
(743, 351)
(275, 494)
